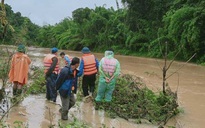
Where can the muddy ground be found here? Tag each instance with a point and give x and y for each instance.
(189, 82)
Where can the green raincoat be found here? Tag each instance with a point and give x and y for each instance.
(109, 69)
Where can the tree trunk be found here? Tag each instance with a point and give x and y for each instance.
(164, 69)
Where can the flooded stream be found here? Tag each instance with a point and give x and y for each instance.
(189, 82)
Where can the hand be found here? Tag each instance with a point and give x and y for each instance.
(111, 78)
(73, 88)
(107, 80)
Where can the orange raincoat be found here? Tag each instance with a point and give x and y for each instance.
(19, 68)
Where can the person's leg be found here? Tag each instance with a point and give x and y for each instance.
(101, 90)
(15, 84)
(92, 79)
(48, 88)
(109, 91)
(65, 107)
(19, 88)
(85, 86)
(52, 93)
(53, 87)
(72, 101)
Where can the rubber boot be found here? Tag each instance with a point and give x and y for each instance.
(13, 99)
(64, 115)
(14, 92)
(19, 91)
(60, 110)
(97, 105)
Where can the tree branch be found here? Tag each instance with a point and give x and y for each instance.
(181, 66)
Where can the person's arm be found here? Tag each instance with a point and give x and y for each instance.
(100, 69)
(67, 59)
(27, 59)
(97, 65)
(53, 65)
(61, 78)
(81, 68)
(75, 84)
(117, 71)
(107, 79)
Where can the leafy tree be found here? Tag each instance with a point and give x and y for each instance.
(184, 28)
(80, 14)
(140, 11)
(46, 37)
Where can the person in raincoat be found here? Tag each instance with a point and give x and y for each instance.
(66, 57)
(51, 65)
(109, 70)
(88, 68)
(18, 73)
(66, 83)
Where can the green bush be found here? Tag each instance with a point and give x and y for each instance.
(38, 84)
(133, 100)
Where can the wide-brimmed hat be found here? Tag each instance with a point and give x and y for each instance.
(85, 50)
(21, 48)
(54, 50)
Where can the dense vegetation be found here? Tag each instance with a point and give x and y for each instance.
(141, 27)
(133, 100)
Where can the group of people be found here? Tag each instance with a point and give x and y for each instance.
(64, 80)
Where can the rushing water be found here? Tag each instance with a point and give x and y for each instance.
(189, 83)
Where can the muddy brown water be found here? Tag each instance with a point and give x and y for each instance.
(189, 82)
